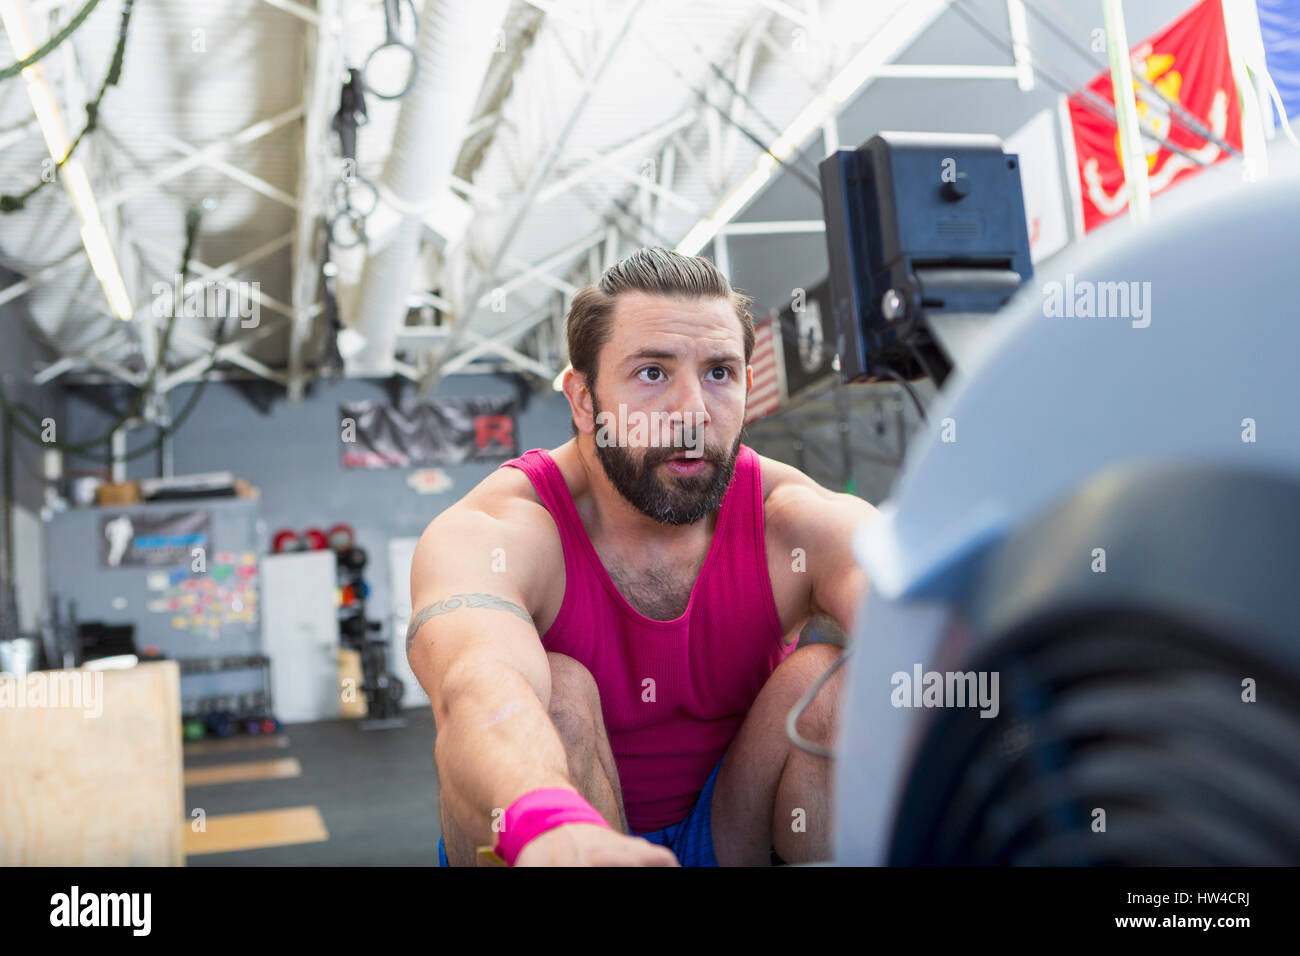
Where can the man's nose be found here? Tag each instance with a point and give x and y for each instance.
(689, 403)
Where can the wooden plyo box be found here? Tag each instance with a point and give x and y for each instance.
(352, 700)
(95, 780)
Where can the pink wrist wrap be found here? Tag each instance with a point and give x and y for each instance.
(539, 811)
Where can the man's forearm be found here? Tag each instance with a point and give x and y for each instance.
(495, 742)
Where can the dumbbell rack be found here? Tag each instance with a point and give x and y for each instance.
(224, 714)
(382, 690)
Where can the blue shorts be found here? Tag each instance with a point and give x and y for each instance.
(691, 840)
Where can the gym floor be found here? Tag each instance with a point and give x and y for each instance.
(328, 793)
(347, 802)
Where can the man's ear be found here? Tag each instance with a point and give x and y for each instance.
(749, 372)
(579, 396)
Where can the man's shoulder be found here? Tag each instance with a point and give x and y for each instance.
(790, 496)
(506, 495)
(506, 498)
(500, 524)
(782, 482)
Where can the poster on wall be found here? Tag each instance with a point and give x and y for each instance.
(1188, 63)
(145, 540)
(415, 433)
(202, 603)
(808, 339)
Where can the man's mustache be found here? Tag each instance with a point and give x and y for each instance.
(657, 456)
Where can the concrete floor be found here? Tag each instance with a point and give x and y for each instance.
(376, 791)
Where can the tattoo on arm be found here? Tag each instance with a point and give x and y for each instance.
(455, 603)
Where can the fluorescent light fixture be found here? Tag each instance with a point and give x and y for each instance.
(73, 175)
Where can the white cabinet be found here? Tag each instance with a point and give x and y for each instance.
(300, 633)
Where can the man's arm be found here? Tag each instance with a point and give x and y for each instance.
(474, 647)
(823, 523)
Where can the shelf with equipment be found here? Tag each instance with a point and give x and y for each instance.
(221, 715)
(355, 631)
(383, 691)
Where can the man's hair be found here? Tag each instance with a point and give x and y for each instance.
(654, 270)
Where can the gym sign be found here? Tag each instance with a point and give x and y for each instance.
(415, 433)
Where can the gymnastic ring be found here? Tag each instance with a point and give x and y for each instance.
(359, 224)
(343, 192)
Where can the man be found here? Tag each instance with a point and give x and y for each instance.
(607, 630)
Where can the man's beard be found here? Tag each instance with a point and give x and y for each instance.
(679, 499)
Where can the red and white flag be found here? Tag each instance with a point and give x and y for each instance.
(1188, 62)
(765, 398)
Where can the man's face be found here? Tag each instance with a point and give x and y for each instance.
(673, 388)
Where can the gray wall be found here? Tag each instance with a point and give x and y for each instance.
(21, 354)
(121, 595)
(293, 455)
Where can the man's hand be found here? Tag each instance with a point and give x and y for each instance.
(586, 844)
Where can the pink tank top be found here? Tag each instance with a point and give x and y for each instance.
(673, 693)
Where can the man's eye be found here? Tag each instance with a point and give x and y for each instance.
(651, 368)
(721, 368)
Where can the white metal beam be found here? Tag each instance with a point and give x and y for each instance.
(785, 227)
(19, 134)
(542, 276)
(481, 197)
(797, 17)
(196, 367)
(722, 255)
(306, 14)
(1020, 44)
(428, 298)
(40, 277)
(943, 71)
(550, 262)
(484, 345)
(245, 136)
(525, 362)
(255, 183)
(606, 158)
(230, 268)
(556, 12)
(741, 79)
(422, 333)
(69, 362)
(667, 174)
(324, 67)
(866, 64)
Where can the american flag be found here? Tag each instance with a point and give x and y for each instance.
(768, 374)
